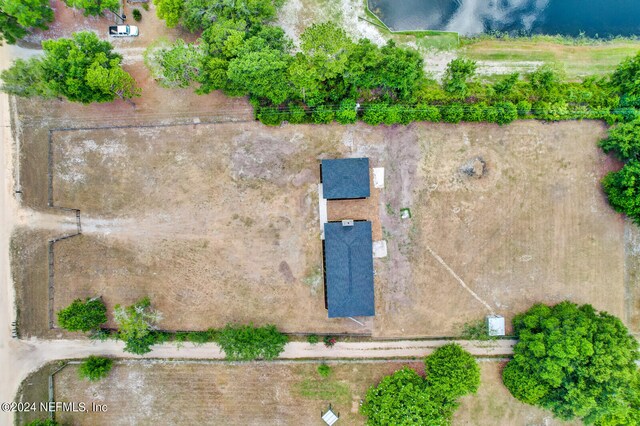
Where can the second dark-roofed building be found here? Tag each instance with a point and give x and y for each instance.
(349, 269)
(345, 178)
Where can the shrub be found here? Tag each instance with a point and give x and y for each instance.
(297, 114)
(270, 116)
(452, 113)
(506, 112)
(574, 361)
(95, 368)
(375, 114)
(324, 370)
(624, 141)
(426, 112)
(145, 6)
(137, 16)
(476, 331)
(347, 113)
(475, 112)
(246, 342)
(329, 341)
(100, 334)
(83, 316)
(623, 190)
(201, 337)
(323, 115)
(313, 339)
(524, 108)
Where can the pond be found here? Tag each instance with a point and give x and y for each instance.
(602, 18)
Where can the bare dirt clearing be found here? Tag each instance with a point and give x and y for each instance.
(218, 222)
(493, 405)
(215, 223)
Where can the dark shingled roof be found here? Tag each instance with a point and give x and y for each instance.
(349, 269)
(345, 178)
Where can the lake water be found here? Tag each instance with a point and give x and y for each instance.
(601, 18)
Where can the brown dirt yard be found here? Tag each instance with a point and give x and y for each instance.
(219, 223)
(148, 392)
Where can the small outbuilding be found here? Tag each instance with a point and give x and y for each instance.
(495, 325)
(348, 269)
(345, 178)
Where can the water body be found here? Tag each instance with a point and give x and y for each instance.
(602, 18)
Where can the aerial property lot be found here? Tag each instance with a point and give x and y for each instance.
(219, 223)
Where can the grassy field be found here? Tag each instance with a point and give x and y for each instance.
(291, 393)
(577, 60)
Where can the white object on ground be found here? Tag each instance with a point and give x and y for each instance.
(322, 208)
(380, 248)
(378, 177)
(495, 325)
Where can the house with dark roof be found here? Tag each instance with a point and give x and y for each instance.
(348, 269)
(345, 178)
(347, 244)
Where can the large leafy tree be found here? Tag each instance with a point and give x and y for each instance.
(262, 74)
(136, 325)
(246, 342)
(574, 361)
(83, 316)
(624, 141)
(28, 13)
(170, 10)
(402, 399)
(10, 30)
(406, 398)
(623, 190)
(452, 372)
(94, 7)
(82, 69)
(201, 14)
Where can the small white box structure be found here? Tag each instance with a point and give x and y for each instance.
(495, 325)
(378, 177)
(380, 248)
(330, 417)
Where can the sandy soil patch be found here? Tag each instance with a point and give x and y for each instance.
(493, 405)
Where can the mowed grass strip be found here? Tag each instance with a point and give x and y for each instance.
(577, 60)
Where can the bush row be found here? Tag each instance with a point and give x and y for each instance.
(377, 113)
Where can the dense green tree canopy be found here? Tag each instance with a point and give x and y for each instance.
(406, 398)
(452, 372)
(29, 13)
(83, 316)
(82, 69)
(624, 141)
(246, 342)
(95, 368)
(94, 7)
(10, 30)
(573, 361)
(623, 190)
(170, 10)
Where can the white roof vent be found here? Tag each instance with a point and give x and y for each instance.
(347, 222)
